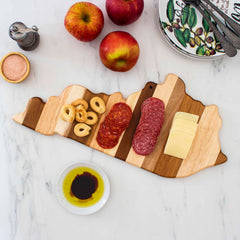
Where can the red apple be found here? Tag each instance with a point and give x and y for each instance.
(84, 21)
(119, 51)
(124, 12)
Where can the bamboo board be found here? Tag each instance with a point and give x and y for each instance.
(205, 150)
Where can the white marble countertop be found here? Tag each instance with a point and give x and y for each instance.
(141, 205)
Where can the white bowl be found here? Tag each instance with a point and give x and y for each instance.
(82, 210)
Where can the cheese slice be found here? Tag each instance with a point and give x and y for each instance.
(184, 124)
(190, 132)
(178, 144)
(186, 116)
(182, 134)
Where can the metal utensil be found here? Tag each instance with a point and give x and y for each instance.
(228, 47)
(232, 37)
(235, 26)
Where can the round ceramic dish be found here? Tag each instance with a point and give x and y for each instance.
(22, 78)
(82, 210)
(186, 31)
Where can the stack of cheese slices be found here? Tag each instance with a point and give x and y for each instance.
(182, 134)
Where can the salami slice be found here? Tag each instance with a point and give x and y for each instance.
(114, 124)
(144, 143)
(152, 116)
(149, 127)
(152, 101)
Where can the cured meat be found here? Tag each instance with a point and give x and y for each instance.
(120, 115)
(144, 143)
(114, 125)
(152, 101)
(149, 126)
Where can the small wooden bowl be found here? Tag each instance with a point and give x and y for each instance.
(27, 71)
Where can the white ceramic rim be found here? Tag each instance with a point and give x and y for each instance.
(175, 47)
(79, 210)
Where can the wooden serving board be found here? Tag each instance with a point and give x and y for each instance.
(205, 150)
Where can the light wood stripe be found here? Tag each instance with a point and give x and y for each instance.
(70, 94)
(19, 118)
(206, 147)
(48, 119)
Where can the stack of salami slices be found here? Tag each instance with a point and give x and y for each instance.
(149, 127)
(114, 125)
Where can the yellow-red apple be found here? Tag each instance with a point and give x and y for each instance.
(119, 51)
(84, 21)
(123, 12)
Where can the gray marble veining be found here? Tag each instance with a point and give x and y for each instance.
(141, 205)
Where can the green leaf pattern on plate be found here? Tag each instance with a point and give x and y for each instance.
(179, 35)
(205, 23)
(184, 16)
(186, 35)
(192, 18)
(183, 25)
(170, 11)
(200, 50)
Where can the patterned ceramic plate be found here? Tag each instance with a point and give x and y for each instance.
(186, 30)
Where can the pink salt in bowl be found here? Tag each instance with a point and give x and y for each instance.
(14, 67)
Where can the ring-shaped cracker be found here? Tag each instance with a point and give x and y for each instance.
(81, 114)
(98, 105)
(82, 130)
(92, 118)
(80, 102)
(68, 113)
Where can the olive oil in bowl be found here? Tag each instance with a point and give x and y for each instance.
(82, 188)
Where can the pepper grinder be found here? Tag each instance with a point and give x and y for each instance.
(26, 38)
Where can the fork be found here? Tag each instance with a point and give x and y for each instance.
(235, 26)
(228, 47)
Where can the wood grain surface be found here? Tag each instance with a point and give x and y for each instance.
(205, 150)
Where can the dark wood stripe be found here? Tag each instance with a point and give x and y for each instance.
(151, 162)
(34, 110)
(87, 140)
(169, 166)
(221, 159)
(192, 106)
(126, 142)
